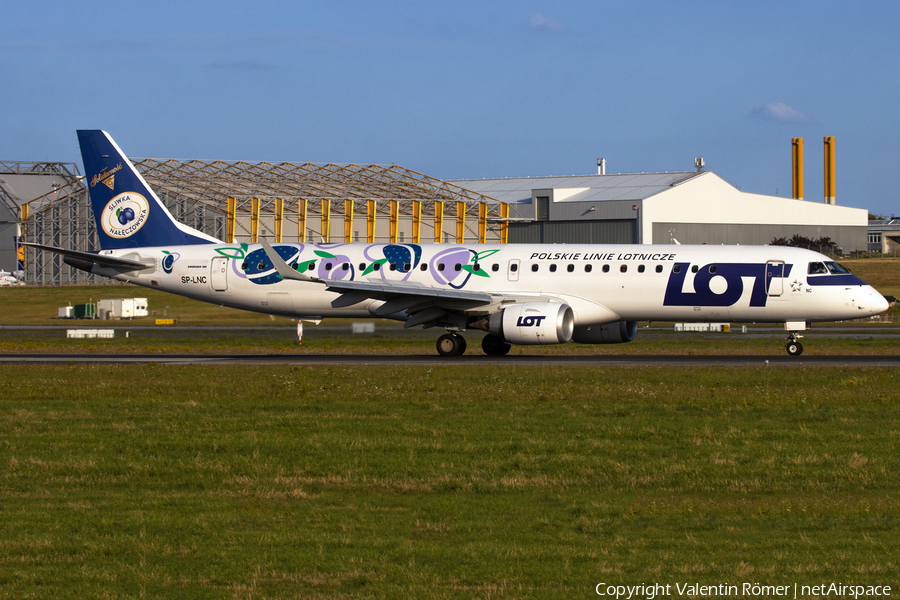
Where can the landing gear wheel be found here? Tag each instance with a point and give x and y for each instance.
(451, 344)
(494, 345)
(794, 348)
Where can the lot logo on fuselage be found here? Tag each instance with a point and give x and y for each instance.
(124, 215)
(722, 284)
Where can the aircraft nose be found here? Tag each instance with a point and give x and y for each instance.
(880, 304)
(875, 303)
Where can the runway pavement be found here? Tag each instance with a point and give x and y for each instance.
(471, 360)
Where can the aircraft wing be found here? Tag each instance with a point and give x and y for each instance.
(423, 304)
(86, 260)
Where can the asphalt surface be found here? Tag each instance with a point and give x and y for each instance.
(470, 360)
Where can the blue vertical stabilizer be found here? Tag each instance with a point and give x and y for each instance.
(127, 211)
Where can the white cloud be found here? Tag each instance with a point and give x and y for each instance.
(545, 23)
(781, 112)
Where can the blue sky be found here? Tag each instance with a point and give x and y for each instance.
(468, 89)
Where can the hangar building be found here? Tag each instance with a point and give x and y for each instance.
(21, 182)
(690, 207)
(281, 202)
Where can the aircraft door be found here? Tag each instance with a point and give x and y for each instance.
(219, 274)
(513, 269)
(775, 277)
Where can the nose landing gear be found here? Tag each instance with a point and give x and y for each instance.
(795, 348)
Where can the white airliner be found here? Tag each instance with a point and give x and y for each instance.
(519, 293)
(7, 278)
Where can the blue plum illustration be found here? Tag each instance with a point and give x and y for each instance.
(125, 215)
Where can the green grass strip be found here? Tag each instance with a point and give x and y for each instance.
(365, 482)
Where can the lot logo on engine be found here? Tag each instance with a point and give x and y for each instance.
(529, 321)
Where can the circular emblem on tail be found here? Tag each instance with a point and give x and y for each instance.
(124, 215)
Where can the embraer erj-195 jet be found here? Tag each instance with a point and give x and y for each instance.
(518, 293)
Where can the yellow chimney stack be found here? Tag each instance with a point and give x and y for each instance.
(797, 152)
(829, 170)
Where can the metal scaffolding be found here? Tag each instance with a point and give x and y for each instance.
(280, 202)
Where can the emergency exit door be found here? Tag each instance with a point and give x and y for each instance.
(219, 274)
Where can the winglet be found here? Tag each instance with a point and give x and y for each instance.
(283, 268)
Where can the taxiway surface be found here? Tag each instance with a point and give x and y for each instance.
(472, 360)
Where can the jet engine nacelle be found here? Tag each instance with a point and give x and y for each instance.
(610, 333)
(534, 323)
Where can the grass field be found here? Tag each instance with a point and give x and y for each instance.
(281, 482)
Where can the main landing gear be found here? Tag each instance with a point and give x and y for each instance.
(494, 345)
(453, 344)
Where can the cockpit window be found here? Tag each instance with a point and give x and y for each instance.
(828, 267)
(817, 269)
(837, 269)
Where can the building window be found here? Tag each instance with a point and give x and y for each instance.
(542, 208)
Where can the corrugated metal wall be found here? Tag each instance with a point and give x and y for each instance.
(573, 232)
(850, 238)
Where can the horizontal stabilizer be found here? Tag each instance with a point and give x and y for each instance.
(112, 262)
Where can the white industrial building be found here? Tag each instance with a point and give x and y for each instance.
(690, 207)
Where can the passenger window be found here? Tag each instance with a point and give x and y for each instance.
(623, 268)
(345, 266)
(376, 267)
(712, 268)
(606, 268)
(424, 267)
(570, 268)
(640, 268)
(311, 266)
(440, 266)
(495, 267)
(476, 267)
(587, 268)
(553, 268)
(406, 268)
(534, 268)
(457, 267)
(244, 266)
(327, 266)
(676, 269)
(694, 269)
(659, 268)
(362, 267)
(393, 267)
(514, 267)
